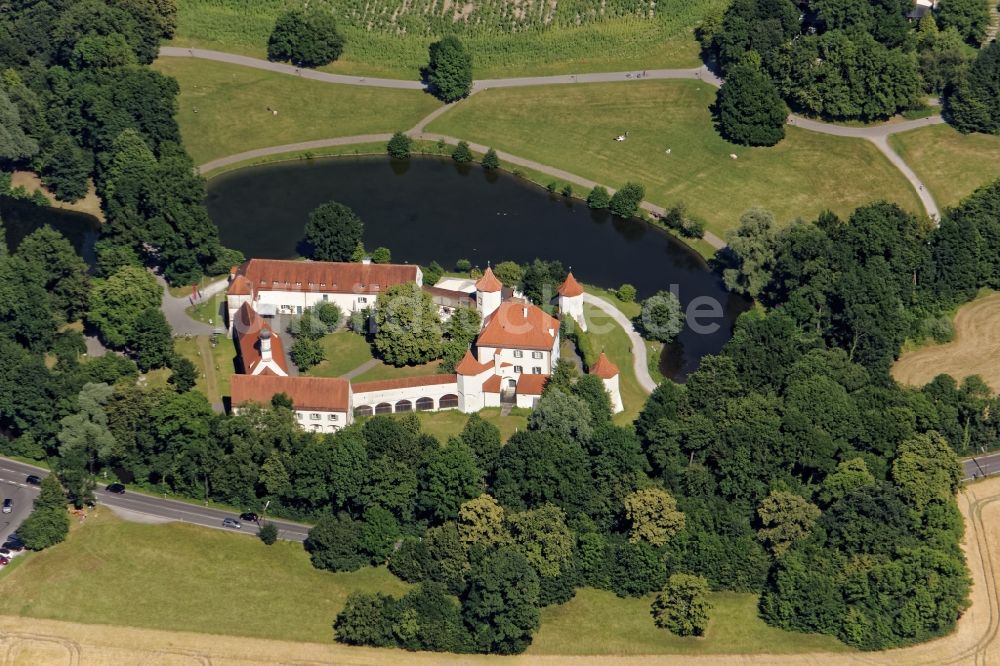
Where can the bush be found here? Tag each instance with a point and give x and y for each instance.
(682, 606)
(399, 146)
(625, 202)
(626, 293)
(490, 160)
(358, 321)
(381, 255)
(598, 197)
(306, 353)
(329, 313)
(463, 265)
(567, 190)
(662, 317)
(305, 38)
(268, 533)
(940, 329)
(462, 154)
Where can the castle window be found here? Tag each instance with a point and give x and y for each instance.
(536, 370)
(314, 416)
(518, 353)
(334, 417)
(536, 354)
(518, 369)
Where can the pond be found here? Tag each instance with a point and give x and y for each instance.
(432, 209)
(21, 217)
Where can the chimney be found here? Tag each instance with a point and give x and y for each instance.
(232, 273)
(552, 332)
(265, 345)
(496, 363)
(524, 311)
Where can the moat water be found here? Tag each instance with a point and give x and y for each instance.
(431, 209)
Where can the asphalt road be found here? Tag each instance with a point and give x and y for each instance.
(980, 466)
(13, 473)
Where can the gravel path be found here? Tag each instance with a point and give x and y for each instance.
(639, 362)
(174, 309)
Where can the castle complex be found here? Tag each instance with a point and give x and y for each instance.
(509, 363)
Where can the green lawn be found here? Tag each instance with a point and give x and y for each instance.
(390, 37)
(573, 128)
(226, 109)
(215, 365)
(449, 422)
(949, 163)
(598, 622)
(386, 371)
(615, 343)
(185, 578)
(344, 351)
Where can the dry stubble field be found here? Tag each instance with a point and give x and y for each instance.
(30, 641)
(974, 351)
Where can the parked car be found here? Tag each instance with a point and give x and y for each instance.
(33, 480)
(4, 561)
(6, 552)
(8, 505)
(249, 516)
(116, 488)
(232, 523)
(13, 545)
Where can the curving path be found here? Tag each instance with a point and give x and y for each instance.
(639, 362)
(877, 134)
(174, 309)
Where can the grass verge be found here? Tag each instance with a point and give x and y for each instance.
(573, 128)
(344, 351)
(950, 164)
(449, 422)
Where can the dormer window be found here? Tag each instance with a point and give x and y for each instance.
(298, 284)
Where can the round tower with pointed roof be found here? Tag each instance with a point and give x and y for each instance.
(488, 294)
(608, 372)
(571, 300)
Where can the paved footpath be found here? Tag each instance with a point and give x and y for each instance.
(174, 309)
(639, 362)
(877, 134)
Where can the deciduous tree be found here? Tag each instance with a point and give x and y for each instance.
(308, 38)
(333, 231)
(683, 606)
(653, 515)
(449, 72)
(785, 518)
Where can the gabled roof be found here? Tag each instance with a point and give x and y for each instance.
(519, 326)
(403, 382)
(470, 366)
(604, 368)
(570, 287)
(489, 282)
(327, 394)
(531, 384)
(324, 276)
(248, 326)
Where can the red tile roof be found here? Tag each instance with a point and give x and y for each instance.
(489, 282)
(403, 382)
(570, 287)
(248, 326)
(604, 368)
(328, 394)
(240, 286)
(519, 327)
(492, 385)
(470, 366)
(324, 276)
(531, 384)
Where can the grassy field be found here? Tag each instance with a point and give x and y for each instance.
(344, 351)
(974, 351)
(182, 577)
(226, 109)
(949, 163)
(598, 622)
(390, 37)
(573, 128)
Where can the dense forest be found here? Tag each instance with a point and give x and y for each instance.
(861, 59)
(79, 103)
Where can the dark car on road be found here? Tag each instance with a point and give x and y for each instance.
(12, 545)
(249, 516)
(116, 488)
(231, 523)
(8, 505)
(33, 480)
